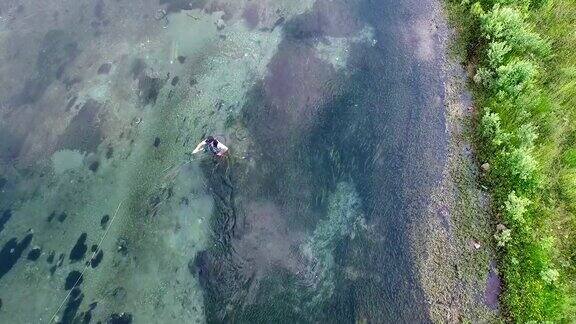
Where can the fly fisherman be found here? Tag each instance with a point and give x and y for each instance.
(210, 144)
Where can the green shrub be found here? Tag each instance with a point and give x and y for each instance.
(514, 78)
(508, 56)
(526, 136)
(519, 167)
(497, 51)
(503, 235)
(515, 208)
(550, 276)
(476, 10)
(491, 131)
(508, 24)
(484, 77)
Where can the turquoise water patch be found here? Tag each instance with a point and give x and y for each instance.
(65, 160)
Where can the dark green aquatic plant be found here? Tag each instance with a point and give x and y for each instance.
(344, 219)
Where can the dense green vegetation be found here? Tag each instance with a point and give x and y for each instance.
(521, 56)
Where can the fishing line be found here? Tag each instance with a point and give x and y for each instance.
(177, 168)
(88, 263)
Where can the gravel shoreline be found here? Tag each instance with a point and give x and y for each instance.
(452, 247)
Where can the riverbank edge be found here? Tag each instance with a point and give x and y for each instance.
(535, 259)
(453, 247)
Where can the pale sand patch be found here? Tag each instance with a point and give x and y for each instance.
(65, 160)
(336, 50)
(424, 34)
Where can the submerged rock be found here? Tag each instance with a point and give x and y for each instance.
(11, 253)
(137, 68)
(95, 261)
(251, 15)
(149, 89)
(119, 294)
(105, 68)
(109, 152)
(94, 166)
(173, 6)
(220, 24)
(277, 23)
(57, 51)
(74, 302)
(62, 217)
(34, 254)
(51, 256)
(79, 250)
(122, 246)
(83, 133)
(51, 217)
(99, 9)
(104, 221)
(192, 267)
(60, 260)
(156, 141)
(181, 59)
(86, 317)
(73, 278)
(123, 318)
(6, 215)
(71, 103)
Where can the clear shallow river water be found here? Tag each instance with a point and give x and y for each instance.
(333, 111)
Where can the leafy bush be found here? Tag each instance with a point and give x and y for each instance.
(515, 208)
(508, 55)
(514, 78)
(508, 24)
(484, 77)
(550, 276)
(523, 165)
(503, 235)
(518, 169)
(491, 131)
(526, 136)
(497, 52)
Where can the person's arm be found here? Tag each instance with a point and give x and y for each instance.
(223, 149)
(199, 147)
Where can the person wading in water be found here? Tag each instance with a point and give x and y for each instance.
(210, 144)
